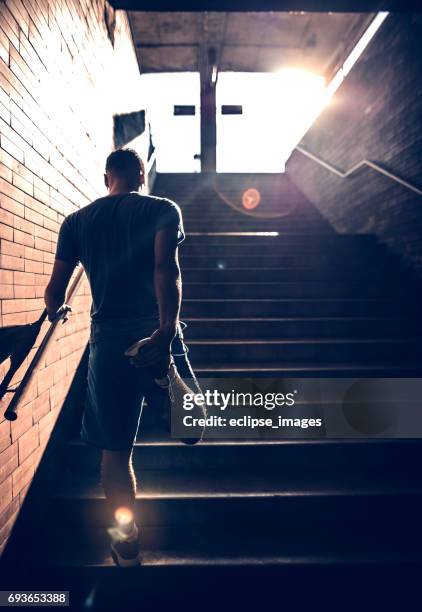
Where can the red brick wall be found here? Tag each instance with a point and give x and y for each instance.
(61, 81)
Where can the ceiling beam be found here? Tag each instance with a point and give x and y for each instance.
(165, 45)
(227, 45)
(318, 6)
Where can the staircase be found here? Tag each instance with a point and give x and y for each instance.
(305, 302)
(295, 300)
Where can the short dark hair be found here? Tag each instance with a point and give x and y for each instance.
(124, 161)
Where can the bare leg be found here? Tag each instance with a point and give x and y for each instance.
(119, 481)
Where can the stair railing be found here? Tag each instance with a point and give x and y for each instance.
(358, 166)
(11, 411)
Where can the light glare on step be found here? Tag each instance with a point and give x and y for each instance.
(123, 516)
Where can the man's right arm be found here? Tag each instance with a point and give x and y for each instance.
(168, 291)
(169, 233)
(167, 280)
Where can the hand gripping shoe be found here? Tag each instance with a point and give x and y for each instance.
(165, 375)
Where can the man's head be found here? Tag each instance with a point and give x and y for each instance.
(124, 171)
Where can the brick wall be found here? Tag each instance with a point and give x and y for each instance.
(61, 81)
(375, 114)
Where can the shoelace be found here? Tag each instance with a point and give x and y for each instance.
(167, 381)
(118, 535)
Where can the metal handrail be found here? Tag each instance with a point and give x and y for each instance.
(11, 410)
(356, 167)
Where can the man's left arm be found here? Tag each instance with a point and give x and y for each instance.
(64, 264)
(55, 292)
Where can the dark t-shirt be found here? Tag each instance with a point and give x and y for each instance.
(113, 238)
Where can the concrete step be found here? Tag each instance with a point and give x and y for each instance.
(279, 307)
(182, 580)
(209, 546)
(323, 261)
(274, 274)
(209, 202)
(204, 483)
(219, 222)
(256, 240)
(224, 214)
(201, 228)
(283, 458)
(317, 350)
(209, 207)
(279, 248)
(290, 289)
(310, 369)
(247, 224)
(282, 328)
(86, 505)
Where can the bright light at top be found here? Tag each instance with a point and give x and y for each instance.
(283, 106)
(177, 139)
(278, 108)
(356, 52)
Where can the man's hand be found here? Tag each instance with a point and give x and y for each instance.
(61, 313)
(156, 349)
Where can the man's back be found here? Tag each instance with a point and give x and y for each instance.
(113, 238)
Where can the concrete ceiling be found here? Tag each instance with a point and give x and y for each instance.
(257, 42)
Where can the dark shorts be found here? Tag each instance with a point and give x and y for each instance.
(116, 390)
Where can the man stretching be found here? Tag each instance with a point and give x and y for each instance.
(127, 243)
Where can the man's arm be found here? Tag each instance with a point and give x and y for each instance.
(167, 280)
(64, 264)
(168, 291)
(55, 292)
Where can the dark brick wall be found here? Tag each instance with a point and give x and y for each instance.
(62, 78)
(375, 114)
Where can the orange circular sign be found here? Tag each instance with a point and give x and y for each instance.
(251, 198)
